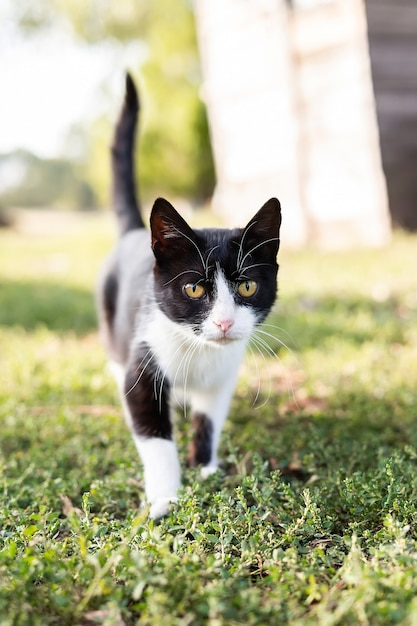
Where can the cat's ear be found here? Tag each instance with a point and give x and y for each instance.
(168, 228)
(262, 231)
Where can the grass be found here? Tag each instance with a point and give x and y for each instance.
(312, 521)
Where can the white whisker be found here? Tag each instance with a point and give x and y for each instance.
(258, 390)
(261, 350)
(179, 346)
(181, 274)
(142, 372)
(240, 251)
(190, 354)
(265, 345)
(264, 325)
(275, 338)
(255, 248)
(195, 246)
(248, 267)
(262, 345)
(187, 355)
(206, 266)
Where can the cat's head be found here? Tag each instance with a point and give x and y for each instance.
(217, 283)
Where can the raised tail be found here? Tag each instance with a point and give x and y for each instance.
(126, 204)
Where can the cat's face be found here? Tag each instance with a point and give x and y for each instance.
(218, 283)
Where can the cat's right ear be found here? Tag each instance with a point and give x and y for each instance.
(168, 229)
(262, 232)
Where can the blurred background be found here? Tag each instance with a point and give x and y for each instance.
(313, 101)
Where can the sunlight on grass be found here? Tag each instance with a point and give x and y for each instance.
(313, 518)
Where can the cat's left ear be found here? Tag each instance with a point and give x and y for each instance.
(262, 231)
(167, 228)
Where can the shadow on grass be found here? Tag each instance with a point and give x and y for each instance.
(303, 323)
(58, 307)
(352, 432)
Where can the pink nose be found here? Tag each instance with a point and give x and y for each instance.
(224, 325)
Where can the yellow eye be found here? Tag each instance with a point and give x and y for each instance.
(247, 288)
(194, 291)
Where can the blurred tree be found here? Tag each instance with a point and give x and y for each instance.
(58, 183)
(174, 149)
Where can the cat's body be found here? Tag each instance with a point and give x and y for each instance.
(177, 308)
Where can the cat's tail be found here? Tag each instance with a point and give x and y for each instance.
(125, 202)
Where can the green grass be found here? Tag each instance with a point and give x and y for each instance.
(314, 517)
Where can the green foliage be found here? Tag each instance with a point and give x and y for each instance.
(92, 21)
(175, 155)
(311, 520)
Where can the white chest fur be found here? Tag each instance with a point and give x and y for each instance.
(188, 361)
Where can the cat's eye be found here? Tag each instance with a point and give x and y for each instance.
(247, 288)
(194, 291)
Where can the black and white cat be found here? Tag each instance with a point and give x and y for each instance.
(177, 307)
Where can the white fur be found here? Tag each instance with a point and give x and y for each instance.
(207, 360)
(190, 361)
(226, 309)
(162, 473)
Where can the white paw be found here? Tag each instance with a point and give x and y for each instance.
(161, 507)
(208, 470)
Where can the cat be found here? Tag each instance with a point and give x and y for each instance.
(177, 307)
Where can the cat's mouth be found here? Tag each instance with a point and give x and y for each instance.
(223, 340)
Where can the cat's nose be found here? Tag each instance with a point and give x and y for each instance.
(224, 325)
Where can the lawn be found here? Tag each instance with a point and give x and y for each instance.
(313, 518)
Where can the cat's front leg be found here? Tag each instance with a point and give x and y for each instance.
(146, 402)
(210, 410)
(161, 471)
(201, 447)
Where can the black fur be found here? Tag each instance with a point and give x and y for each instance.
(146, 398)
(109, 299)
(124, 190)
(201, 445)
